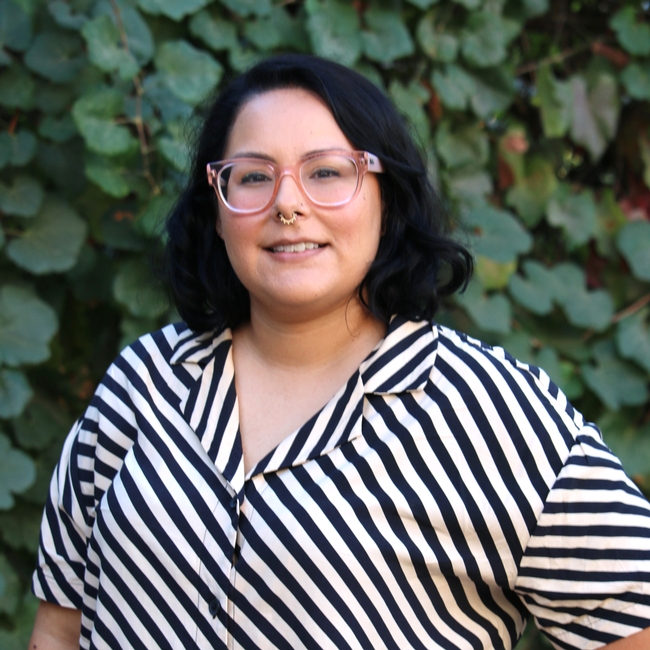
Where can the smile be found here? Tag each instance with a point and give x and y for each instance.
(296, 248)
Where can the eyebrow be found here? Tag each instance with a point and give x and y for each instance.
(262, 156)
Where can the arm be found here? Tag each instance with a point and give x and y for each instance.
(638, 641)
(55, 628)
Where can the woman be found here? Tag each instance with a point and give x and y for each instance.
(310, 462)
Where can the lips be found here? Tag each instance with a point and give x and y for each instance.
(298, 247)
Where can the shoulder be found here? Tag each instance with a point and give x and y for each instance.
(474, 366)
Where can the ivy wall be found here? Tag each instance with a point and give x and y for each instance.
(534, 115)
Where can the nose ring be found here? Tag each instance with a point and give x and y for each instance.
(285, 221)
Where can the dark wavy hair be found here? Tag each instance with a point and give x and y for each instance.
(417, 262)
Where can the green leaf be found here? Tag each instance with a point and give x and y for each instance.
(532, 8)
(633, 338)
(244, 58)
(437, 44)
(628, 440)
(23, 198)
(583, 308)
(26, 326)
(107, 175)
(469, 4)
(636, 79)
(594, 112)
(611, 219)
(561, 373)
(469, 186)
(42, 424)
(17, 473)
(245, 8)
(467, 145)
(171, 107)
(52, 241)
(632, 34)
(17, 149)
(174, 147)
(490, 313)
(487, 93)
(15, 393)
(422, 4)
(189, 73)
(15, 27)
(333, 27)
(634, 243)
(57, 56)
(105, 49)
(555, 99)
(574, 213)
(174, 9)
(263, 32)
(533, 292)
(136, 288)
(410, 101)
(485, 40)
(491, 274)
(11, 594)
(58, 129)
(216, 33)
(617, 383)
(150, 221)
(531, 193)
(63, 15)
(498, 235)
(138, 34)
(16, 88)
(454, 86)
(590, 309)
(93, 114)
(386, 37)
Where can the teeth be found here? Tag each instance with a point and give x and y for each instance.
(295, 248)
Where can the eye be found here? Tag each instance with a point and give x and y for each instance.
(252, 178)
(323, 173)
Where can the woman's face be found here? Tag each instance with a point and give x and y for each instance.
(284, 126)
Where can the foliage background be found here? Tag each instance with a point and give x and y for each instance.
(534, 115)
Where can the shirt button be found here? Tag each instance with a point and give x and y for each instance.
(233, 503)
(214, 607)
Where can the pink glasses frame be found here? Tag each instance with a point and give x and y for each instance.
(365, 162)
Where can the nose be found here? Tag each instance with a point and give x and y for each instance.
(290, 197)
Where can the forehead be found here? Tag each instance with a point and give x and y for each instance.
(284, 123)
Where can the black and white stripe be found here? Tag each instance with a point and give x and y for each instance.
(446, 492)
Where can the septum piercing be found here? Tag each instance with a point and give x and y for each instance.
(285, 221)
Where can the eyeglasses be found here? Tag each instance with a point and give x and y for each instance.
(329, 179)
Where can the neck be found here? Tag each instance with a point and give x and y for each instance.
(296, 345)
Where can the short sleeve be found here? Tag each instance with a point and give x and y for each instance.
(92, 454)
(585, 574)
(65, 528)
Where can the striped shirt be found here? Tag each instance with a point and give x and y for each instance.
(446, 492)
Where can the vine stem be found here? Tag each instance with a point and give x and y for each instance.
(556, 58)
(632, 309)
(139, 92)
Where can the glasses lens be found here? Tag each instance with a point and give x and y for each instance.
(329, 179)
(247, 185)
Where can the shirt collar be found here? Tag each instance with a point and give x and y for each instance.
(401, 362)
